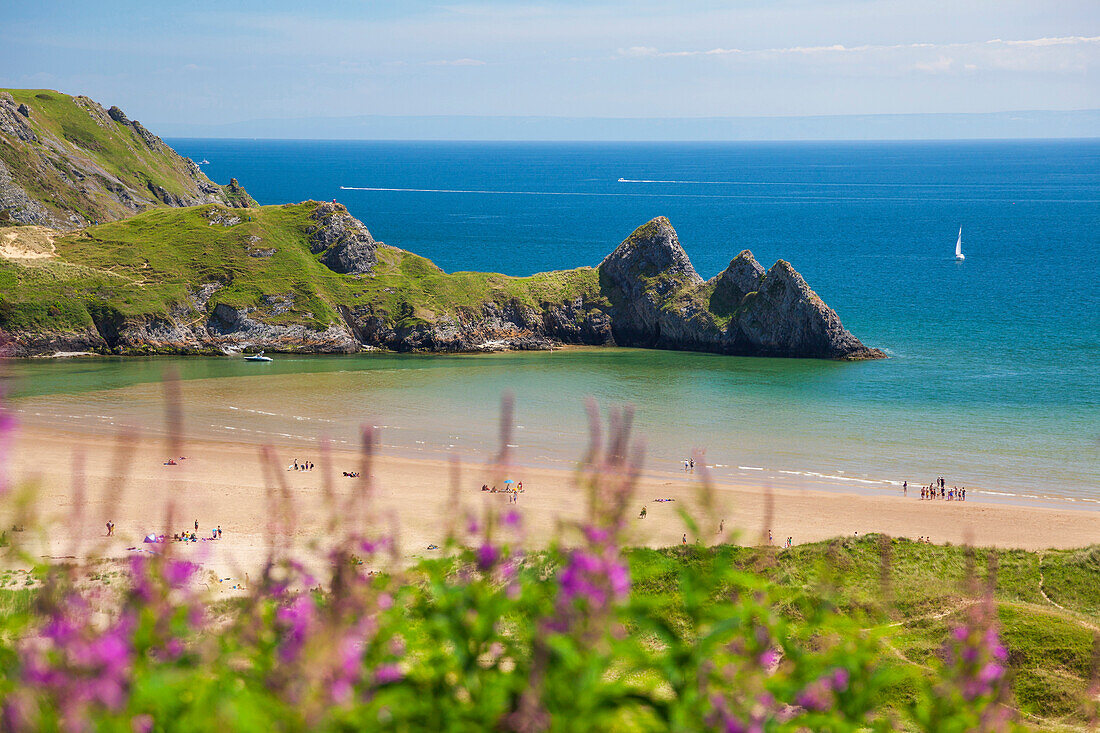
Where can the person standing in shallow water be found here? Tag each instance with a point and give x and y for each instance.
(110, 528)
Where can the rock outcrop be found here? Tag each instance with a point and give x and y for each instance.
(65, 162)
(493, 327)
(659, 301)
(343, 242)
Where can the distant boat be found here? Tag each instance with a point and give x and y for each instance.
(258, 357)
(622, 180)
(204, 161)
(959, 257)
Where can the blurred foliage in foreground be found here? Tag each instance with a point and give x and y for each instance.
(868, 634)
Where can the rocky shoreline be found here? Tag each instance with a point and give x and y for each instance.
(648, 295)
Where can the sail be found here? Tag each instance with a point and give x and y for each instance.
(959, 243)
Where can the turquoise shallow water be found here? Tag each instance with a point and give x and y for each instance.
(793, 422)
(995, 365)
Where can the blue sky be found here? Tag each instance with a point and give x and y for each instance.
(230, 61)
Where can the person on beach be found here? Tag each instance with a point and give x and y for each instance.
(684, 539)
(905, 488)
(642, 514)
(691, 464)
(721, 526)
(769, 536)
(110, 528)
(196, 525)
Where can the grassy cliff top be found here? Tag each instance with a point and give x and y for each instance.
(72, 157)
(151, 263)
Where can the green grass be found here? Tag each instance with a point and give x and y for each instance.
(925, 594)
(114, 148)
(148, 266)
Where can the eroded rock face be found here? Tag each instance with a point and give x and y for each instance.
(658, 301)
(493, 327)
(639, 278)
(343, 242)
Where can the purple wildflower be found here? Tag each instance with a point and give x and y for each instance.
(487, 556)
(977, 657)
(388, 674)
(820, 695)
(297, 619)
(593, 579)
(179, 572)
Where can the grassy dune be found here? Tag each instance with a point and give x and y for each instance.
(1051, 648)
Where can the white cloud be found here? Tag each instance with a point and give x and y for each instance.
(1058, 41)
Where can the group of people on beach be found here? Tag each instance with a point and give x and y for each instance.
(938, 490)
(189, 536)
(513, 490)
(185, 536)
(689, 465)
(303, 466)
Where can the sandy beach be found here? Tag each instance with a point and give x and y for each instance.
(84, 480)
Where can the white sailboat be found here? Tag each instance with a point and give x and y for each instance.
(959, 257)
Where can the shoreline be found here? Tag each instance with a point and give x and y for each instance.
(783, 479)
(225, 483)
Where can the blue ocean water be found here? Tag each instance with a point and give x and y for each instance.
(871, 225)
(994, 361)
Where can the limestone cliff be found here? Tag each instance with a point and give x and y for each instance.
(67, 162)
(310, 277)
(659, 301)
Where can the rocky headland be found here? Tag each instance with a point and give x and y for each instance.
(110, 242)
(310, 278)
